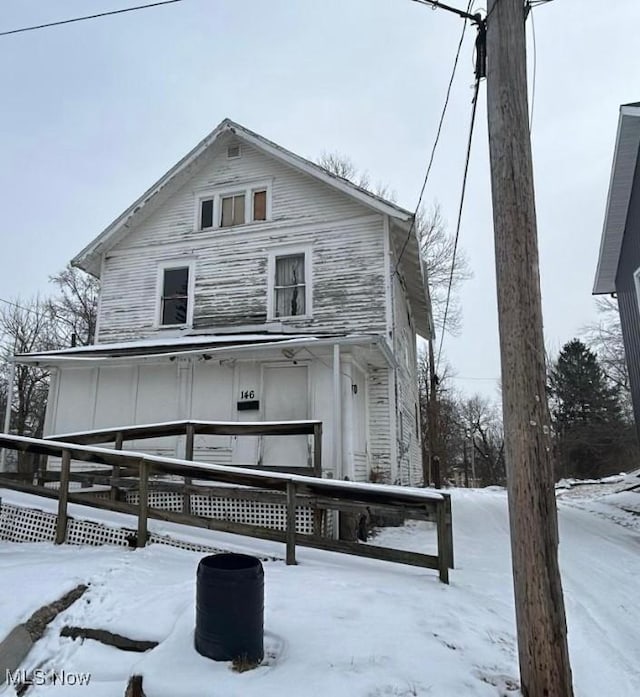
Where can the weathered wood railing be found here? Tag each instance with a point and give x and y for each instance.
(294, 490)
(190, 428)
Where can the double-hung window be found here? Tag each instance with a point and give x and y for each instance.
(289, 283)
(249, 204)
(175, 294)
(290, 286)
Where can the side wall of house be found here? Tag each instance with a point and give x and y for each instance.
(345, 240)
(408, 433)
(380, 413)
(628, 294)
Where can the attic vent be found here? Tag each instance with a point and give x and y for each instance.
(233, 151)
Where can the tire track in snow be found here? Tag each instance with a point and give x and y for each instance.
(599, 562)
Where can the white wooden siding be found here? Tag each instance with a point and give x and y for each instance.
(404, 345)
(347, 243)
(379, 423)
(360, 467)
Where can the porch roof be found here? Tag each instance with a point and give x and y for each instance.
(220, 346)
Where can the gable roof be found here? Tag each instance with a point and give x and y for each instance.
(89, 259)
(625, 158)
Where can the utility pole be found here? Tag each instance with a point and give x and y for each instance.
(433, 422)
(540, 614)
(465, 461)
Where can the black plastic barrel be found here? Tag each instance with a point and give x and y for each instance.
(230, 608)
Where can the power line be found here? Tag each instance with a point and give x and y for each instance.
(462, 193)
(437, 5)
(20, 307)
(82, 19)
(437, 138)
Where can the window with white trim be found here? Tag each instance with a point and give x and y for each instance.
(259, 203)
(289, 286)
(175, 294)
(232, 210)
(248, 204)
(289, 289)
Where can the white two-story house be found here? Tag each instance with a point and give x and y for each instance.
(251, 284)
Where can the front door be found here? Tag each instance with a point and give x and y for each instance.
(286, 398)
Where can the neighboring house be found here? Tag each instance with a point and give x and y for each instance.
(251, 284)
(619, 262)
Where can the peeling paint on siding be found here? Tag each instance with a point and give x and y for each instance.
(379, 423)
(231, 264)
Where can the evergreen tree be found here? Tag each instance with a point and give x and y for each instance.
(590, 431)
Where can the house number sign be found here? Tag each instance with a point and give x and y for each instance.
(248, 401)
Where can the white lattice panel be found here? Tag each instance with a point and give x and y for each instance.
(266, 515)
(19, 524)
(27, 524)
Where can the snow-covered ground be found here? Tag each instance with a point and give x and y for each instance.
(343, 626)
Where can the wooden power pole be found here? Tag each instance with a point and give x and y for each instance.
(433, 423)
(540, 615)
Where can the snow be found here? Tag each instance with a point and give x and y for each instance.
(185, 422)
(218, 345)
(171, 341)
(419, 495)
(345, 626)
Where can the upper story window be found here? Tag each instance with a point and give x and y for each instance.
(239, 206)
(260, 205)
(232, 210)
(290, 286)
(289, 292)
(175, 299)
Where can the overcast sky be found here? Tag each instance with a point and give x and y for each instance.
(94, 112)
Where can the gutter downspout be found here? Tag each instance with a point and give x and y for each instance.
(7, 415)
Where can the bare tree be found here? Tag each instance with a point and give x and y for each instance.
(437, 247)
(74, 310)
(26, 328)
(604, 337)
(481, 424)
(343, 166)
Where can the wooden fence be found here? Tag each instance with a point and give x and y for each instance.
(291, 490)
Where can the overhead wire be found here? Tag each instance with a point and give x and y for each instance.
(459, 222)
(19, 307)
(435, 143)
(87, 17)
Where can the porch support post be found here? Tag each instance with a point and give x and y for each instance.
(7, 415)
(337, 413)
